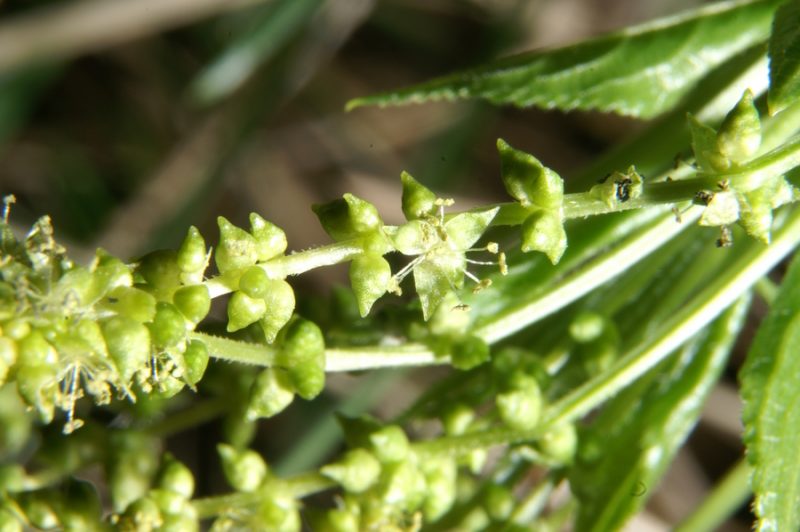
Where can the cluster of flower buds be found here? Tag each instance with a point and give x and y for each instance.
(386, 483)
(66, 329)
(748, 201)
(165, 506)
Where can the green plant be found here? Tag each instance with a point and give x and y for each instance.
(608, 299)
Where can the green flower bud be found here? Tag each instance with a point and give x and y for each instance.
(403, 485)
(722, 209)
(340, 520)
(8, 356)
(457, 418)
(348, 217)
(440, 478)
(389, 444)
(244, 310)
(128, 344)
(739, 136)
(418, 201)
(559, 444)
(108, 272)
(237, 248)
(130, 302)
(586, 326)
(270, 239)
(278, 513)
(196, 359)
(544, 231)
(521, 406)
(141, 516)
(498, 501)
(176, 477)
(169, 502)
(193, 302)
(192, 256)
(160, 270)
(468, 352)
(529, 181)
(168, 327)
(245, 470)
(302, 353)
(133, 463)
(270, 394)
(370, 275)
(254, 282)
(280, 302)
(356, 471)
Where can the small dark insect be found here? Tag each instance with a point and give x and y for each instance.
(624, 189)
(725, 239)
(703, 197)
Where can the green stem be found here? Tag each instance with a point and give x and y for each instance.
(725, 499)
(594, 274)
(295, 487)
(739, 277)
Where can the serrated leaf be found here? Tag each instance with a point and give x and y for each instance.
(627, 449)
(784, 58)
(771, 391)
(641, 71)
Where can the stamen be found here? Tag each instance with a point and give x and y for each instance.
(8, 201)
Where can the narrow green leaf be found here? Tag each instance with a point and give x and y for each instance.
(272, 29)
(771, 390)
(626, 450)
(784, 58)
(642, 71)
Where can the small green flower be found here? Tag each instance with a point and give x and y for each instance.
(244, 310)
(176, 477)
(520, 406)
(418, 201)
(370, 277)
(356, 471)
(192, 257)
(196, 359)
(270, 394)
(739, 136)
(237, 248)
(193, 302)
(347, 218)
(245, 470)
(270, 239)
(302, 354)
(280, 302)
